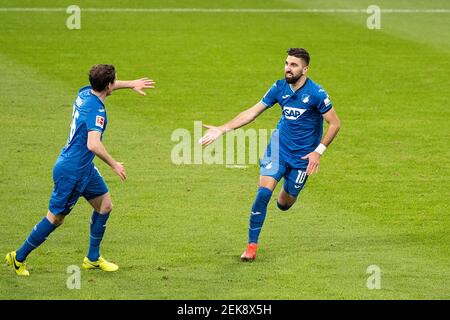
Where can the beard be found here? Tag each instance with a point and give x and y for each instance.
(292, 79)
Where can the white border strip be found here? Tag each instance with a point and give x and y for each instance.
(219, 10)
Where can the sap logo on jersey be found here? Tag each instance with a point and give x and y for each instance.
(292, 113)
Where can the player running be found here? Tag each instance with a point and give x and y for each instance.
(295, 148)
(74, 173)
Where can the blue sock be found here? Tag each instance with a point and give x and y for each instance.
(98, 227)
(258, 214)
(38, 235)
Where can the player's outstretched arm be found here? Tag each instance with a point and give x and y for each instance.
(95, 145)
(240, 120)
(334, 124)
(137, 85)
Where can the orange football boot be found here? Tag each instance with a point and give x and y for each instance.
(250, 252)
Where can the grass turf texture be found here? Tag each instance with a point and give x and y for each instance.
(381, 197)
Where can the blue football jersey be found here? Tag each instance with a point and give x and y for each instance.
(301, 124)
(89, 113)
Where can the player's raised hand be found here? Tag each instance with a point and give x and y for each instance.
(140, 84)
(119, 169)
(211, 135)
(313, 162)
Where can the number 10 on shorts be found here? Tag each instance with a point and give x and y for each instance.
(300, 177)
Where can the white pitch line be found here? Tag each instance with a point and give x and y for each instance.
(221, 10)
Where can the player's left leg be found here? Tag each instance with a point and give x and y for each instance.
(97, 194)
(294, 182)
(285, 201)
(65, 194)
(39, 233)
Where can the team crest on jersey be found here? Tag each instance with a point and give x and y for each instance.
(99, 121)
(292, 113)
(305, 98)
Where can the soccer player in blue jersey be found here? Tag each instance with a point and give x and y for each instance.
(296, 146)
(74, 173)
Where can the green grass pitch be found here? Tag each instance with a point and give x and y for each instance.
(381, 197)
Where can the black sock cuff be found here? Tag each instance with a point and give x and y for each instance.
(282, 207)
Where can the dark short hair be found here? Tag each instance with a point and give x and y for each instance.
(101, 75)
(299, 53)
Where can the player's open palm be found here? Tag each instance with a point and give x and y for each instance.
(119, 169)
(144, 83)
(313, 162)
(211, 135)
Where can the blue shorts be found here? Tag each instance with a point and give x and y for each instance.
(68, 190)
(294, 175)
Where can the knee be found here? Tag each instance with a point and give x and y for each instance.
(106, 207)
(55, 220)
(283, 207)
(58, 222)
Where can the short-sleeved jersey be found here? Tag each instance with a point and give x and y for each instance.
(301, 125)
(89, 114)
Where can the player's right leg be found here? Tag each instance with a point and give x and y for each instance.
(97, 194)
(258, 214)
(271, 171)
